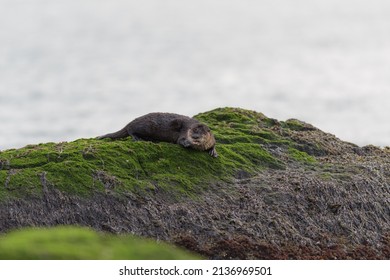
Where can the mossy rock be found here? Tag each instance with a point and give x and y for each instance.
(89, 165)
(75, 243)
(301, 156)
(304, 177)
(234, 125)
(85, 166)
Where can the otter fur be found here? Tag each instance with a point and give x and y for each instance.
(168, 127)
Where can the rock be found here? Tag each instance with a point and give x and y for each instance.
(278, 190)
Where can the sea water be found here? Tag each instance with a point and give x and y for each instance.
(77, 69)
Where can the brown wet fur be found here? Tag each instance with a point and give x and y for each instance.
(169, 127)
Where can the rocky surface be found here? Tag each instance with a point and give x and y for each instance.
(278, 190)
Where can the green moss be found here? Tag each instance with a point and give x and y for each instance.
(85, 166)
(294, 124)
(74, 243)
(250, 157)
(234, 125)
(230, 115)
(301, 156)
(326, 176)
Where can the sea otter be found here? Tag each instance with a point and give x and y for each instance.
(168, 127)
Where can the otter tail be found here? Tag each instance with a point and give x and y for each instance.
(123, 133)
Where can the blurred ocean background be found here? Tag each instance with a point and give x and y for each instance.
(80, 68)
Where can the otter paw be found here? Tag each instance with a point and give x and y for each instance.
(213, 152)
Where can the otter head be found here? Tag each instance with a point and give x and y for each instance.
(202, 139)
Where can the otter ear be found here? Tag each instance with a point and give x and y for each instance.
(176, 124)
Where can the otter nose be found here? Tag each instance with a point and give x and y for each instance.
(195, 136)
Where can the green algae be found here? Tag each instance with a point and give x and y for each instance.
(75, 243)
(235, 125)
(301, 156)
(296, 125)
(85, 166)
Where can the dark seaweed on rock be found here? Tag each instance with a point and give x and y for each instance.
(278, 190)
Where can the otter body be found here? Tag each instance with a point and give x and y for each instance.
(168, 127)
